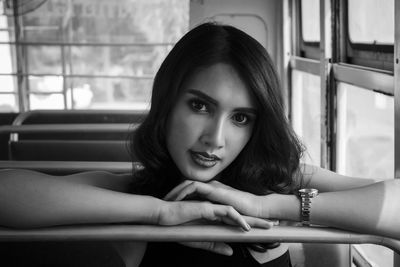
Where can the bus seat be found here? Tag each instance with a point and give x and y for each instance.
(70, 150)
(316, 255)
(77, 117)
(72, 135)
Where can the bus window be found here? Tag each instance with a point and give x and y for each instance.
(360, 146)
(310, 25)
(8, 92)
(90, 54)
(365, 147)
(366, 24)
(306, 113)
(370, 33)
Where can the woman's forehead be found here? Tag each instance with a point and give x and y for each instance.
(222, 83)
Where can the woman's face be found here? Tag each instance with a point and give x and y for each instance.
(211, 122)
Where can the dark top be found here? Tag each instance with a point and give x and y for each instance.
(59, 254)
(173, 254)
(102, 254)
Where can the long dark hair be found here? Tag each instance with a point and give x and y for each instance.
(270, 159)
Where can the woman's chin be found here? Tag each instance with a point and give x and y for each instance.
(201, 176)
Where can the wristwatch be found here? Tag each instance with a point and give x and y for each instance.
(306, 196)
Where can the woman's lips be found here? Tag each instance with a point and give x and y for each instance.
(203, 159)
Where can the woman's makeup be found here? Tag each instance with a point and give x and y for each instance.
(204, 159)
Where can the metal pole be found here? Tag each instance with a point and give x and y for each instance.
(325, 75)
(396, 261)
(20, 60)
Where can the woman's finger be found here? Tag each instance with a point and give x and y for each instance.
(258, 222)
(198, 188)
(171, 195)
(216, 247)
(230, 215)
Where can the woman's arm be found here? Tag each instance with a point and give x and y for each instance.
(326, 181)
(359, 205)
(31, 199)
(372, 208)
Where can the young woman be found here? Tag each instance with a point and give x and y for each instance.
(215, 145)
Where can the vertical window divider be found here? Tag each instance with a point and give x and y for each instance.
(288, 18)
(20, 56)
(326, 77)
(396, 260)
(63, 71)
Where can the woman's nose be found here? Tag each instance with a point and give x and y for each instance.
(214, 135)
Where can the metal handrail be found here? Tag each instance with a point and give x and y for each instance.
(69, 166)
(284, 234)
(70, 128)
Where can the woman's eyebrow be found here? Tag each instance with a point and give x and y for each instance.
(247, 110)
(203, 95)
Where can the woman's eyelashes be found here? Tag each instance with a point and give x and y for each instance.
(201, 106)
(241, 119)
(198, 105)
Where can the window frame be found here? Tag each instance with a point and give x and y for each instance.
(306, 49)
(333, 66)
(22, 73)
(367, 55)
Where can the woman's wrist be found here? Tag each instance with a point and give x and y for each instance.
(280, 206)
(143, 209)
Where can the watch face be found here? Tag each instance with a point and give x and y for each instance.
(308, 192)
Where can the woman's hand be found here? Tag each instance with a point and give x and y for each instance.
(244, 202)
(215, 191)
(179, 212)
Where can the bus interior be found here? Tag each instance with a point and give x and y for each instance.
(76, 79)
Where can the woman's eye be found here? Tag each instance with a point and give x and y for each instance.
(240, 118)
(198, 105)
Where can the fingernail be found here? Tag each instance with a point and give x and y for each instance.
(228, 252)
(248, 227)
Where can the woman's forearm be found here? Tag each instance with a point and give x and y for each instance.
(29, 199)
(371, 209)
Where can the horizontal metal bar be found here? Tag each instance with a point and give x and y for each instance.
(24, 115)
(148, 77)
(70, 128)
(186, 233)
(8, 93)
(305, 64)
(88, 44)
(68, 166)
(372, 79)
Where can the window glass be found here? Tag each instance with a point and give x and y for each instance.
(45, 84)
(365, 133)
(104, 21)
(46, 101)
(310, 26)
(109, 93)
(8, 103)
(6, 32)
(8, 83)
(44, 59)
(365, 146)
(85, 39)
(371, 21)
(306, 113)
(6, 62)
(117, 60)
